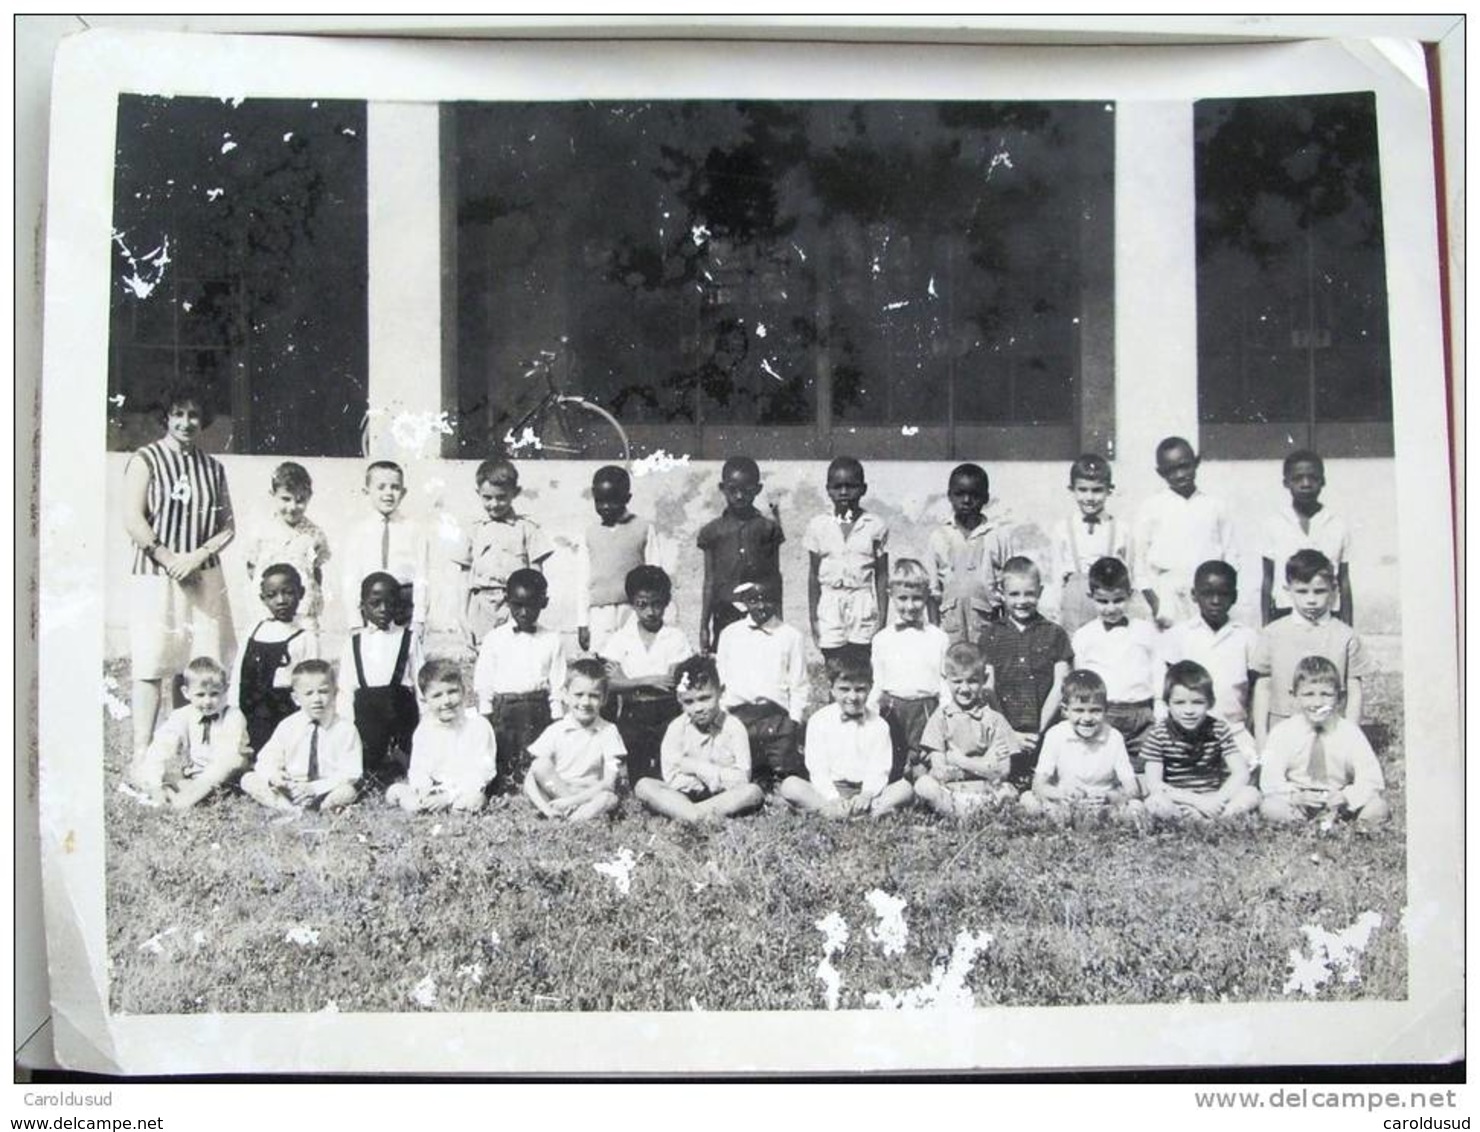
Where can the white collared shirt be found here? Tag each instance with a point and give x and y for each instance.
(909, 661)
(181, 740)
(1282, 537)
(459, 757)
(1094, 765)
(378, 651)
(511, 663)
(1127, 658)
(1351, 765)
(1175, 535)
(639, 658)
(406, 562)
(582, 755)
(848, 750)
(763, 662)
(285, 756)
(1227, 654)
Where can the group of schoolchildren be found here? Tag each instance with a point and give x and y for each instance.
(950, 687)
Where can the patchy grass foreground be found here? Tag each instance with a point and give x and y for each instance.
(230, 908)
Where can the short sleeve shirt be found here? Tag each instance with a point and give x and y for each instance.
(583, 755)
(967, 731)
(1191, 760)
(1097, 764)
(498, 547)
(847, 559)
(1284, 643)
(737, 543)
(1023, 659)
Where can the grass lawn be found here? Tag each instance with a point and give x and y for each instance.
(232, 908)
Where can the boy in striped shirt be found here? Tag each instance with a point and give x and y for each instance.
(1194, 768)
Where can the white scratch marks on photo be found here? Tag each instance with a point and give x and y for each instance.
(766, 365)
(760, 330)
(424, 993)
(526, 439)
(891, 932)
(288, 136)
(834, 931)
(1001, 157)
(228, 146)
(619, 869)
(302, 935)
(930, 288)
(947, 988)
(349, 133)
(659, 461)
(1332, 954)
(117, 707)
(236, 101)
(909, 430)
(155, 943)
(896, 305)
(800, 254)
(139, 281)
(699, 233)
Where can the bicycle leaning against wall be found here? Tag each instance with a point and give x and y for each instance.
(555, 424)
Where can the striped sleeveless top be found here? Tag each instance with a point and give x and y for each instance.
(184, 501)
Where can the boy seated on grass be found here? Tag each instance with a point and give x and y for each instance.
(1318, 764)
(705, 755)
(1083, 766)
(1194, 768)
(313, 760)
(200, 746)
(453, 754)
(577, 759)
(848, 753)
(969, 746)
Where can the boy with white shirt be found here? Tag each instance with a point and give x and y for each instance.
(908, 662)
(1306, 524)
(453, 753)
(1124, 654)
(849, 753)
(388, 541)
(1175, 530)
(199, 746)
(763, 667)
(1317, 763)
(1220, 645)
(519, 675)
(313, 760)
(641, 657)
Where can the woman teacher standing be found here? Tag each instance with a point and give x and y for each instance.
(177, 512)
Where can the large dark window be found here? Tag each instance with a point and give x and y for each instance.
(803, 277)
(239, 260)
(1292, 297)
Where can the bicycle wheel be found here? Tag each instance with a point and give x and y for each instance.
(572, 428)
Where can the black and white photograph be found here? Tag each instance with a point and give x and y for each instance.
(611, 557)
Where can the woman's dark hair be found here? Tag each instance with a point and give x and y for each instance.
(181, 392)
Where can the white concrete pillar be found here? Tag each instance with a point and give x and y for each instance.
(1155, 287)
(405, 284)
